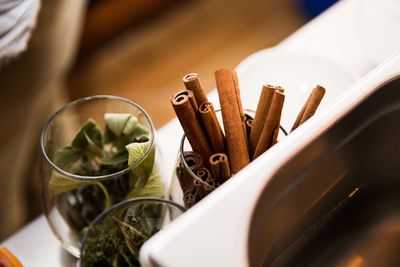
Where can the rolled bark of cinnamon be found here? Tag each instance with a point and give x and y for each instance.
(271, 125)
(184, 178)
(312, 105)
(200, 182)
(249, 123)
(279, 89)
(211, 185)
(263, 106)
(191, 97)
(237, 90)
(232, 117)
(212, 127)
(189, 198)
(207, 184)
(184, 109)
(220, 167)
(275, 136)
(202, 175)
(192, 82)
(309, 108)
(193, 160)
(200, 192)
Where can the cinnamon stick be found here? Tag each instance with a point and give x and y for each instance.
(212, 127)
(193, 160)
(236, 140)
(249, 123)
(279, 89)
(315, 99)
(200, 182)
(189, 198)
(275, 136)
(211, 185)
(237, 90)
(202, 175)
(309, 108)
(191, 97)
(185, 180)
(220, 167)
(192, 82)
(183, 104)
(271, 125)
(263, 106)
(242, 115)
(205, 184)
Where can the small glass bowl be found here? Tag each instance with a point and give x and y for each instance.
(185, 168)
(115, 237)
(72, 200)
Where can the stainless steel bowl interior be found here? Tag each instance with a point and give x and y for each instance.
(337, 202)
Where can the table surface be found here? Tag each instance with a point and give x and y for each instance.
(332, 36)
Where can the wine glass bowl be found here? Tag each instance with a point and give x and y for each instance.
(95, 152)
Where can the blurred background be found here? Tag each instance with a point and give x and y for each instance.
(144, 48)
(136, 49)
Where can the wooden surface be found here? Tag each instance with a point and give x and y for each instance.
(106, 18)
(146, 65)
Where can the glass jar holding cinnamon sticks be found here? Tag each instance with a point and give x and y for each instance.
(193, 178)
(217, 145)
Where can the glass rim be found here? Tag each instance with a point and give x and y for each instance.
(182, 144)
(118, 205)
(77, 102)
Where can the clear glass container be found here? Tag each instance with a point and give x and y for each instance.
(188, 168)
(115, 237)
(84, 163)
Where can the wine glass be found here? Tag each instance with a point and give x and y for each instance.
(95, 152)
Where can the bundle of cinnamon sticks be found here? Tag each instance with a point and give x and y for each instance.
(218, 154)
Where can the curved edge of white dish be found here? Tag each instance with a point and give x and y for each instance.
(298, 73)
(265, 53)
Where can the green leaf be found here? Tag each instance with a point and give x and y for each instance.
(142, 139)
(153, 188)
(140, 131)
(119, 142)
(97, 150)
(130, 125)
(89, 133)
(123, 129)
(66, 157)
(117, 158)
(122, 141)
(109, 136)
(137, 151)
(117, 122)
(59, 184)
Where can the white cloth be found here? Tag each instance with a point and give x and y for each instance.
(17, 20)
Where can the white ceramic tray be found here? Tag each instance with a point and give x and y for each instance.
(215, 231)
